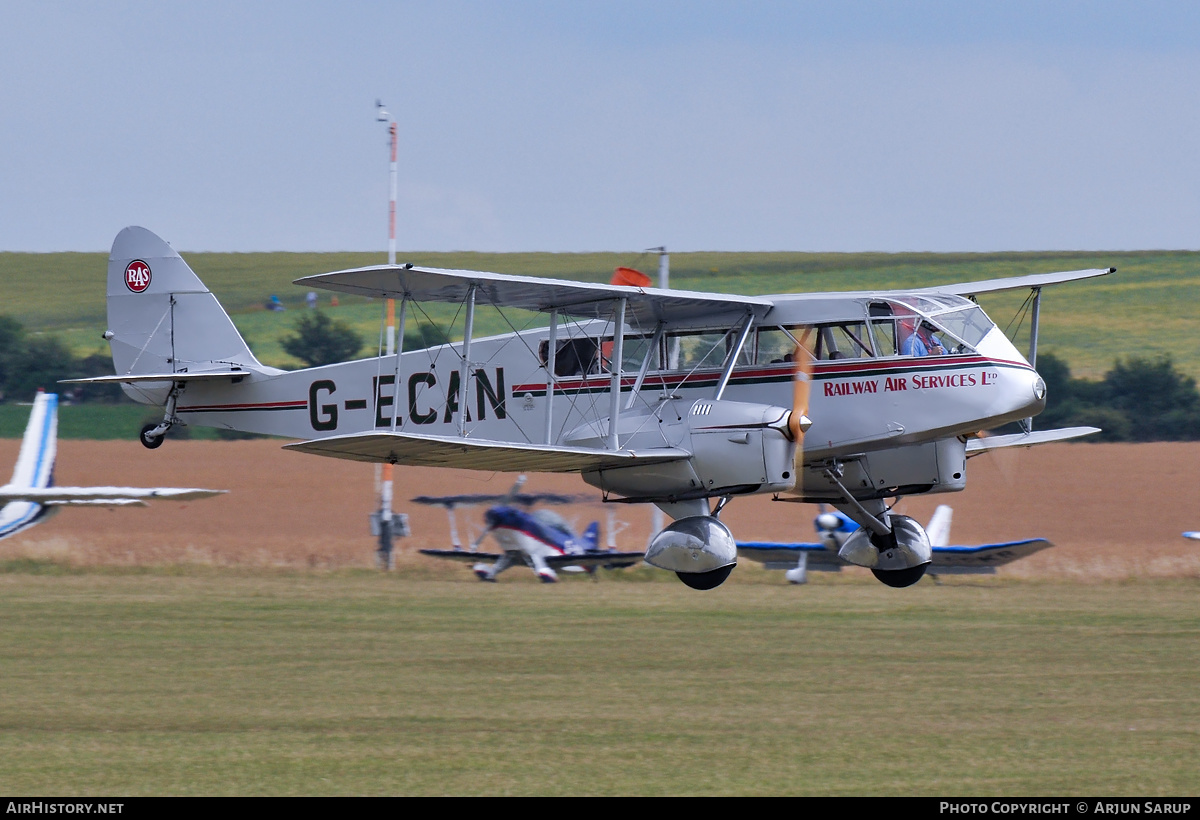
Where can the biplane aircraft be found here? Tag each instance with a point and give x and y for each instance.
(30, 496)
(835, 528)
(681, 399)
(540, 539)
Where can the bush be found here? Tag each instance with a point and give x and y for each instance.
(321, 340)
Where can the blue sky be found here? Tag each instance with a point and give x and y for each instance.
(580, 126)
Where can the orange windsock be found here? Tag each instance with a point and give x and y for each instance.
(631, 277)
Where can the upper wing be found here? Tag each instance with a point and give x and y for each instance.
(100, 495)
(645, 306)
(478, 454)
(1036, 280)
(1195, 536)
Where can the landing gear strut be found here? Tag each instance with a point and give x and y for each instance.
(894, 547)
(153, 435)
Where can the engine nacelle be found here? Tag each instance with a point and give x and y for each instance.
(737, 447)
(899, 560)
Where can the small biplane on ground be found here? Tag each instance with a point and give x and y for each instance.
(540, 539)
(682, 399)
(30, 496)
(834, 529)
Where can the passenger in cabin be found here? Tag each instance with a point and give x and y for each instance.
(920, 341)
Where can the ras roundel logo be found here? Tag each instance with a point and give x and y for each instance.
(137, 276)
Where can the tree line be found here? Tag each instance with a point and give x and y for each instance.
(1139, 399)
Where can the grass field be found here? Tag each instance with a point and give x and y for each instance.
(225, 682)
(1144, 310)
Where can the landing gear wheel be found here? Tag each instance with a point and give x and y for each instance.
(901, 577)
(706, 580)
(151, 442)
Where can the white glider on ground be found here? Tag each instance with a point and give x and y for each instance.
(30, 497)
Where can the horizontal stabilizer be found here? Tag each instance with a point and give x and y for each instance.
(976, 446)
(479, 454)
(95, 495)
(1036, 280)
(161, 377)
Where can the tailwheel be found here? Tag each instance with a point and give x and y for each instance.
(901, 577)
(706, 580)
(148, 441)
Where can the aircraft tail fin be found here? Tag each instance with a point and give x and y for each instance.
(39, 446)
(161, 317)
(938, 528)
(591, 537)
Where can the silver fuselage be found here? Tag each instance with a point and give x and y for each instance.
(888, 421)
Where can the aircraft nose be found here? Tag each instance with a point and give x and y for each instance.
(1038, 397)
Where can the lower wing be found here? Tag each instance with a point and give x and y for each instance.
(947, 559)
(101, 496)
(595, 559)
(465, 556)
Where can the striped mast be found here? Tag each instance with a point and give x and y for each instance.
(384, 472)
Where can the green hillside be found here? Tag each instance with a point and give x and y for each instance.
(1145, 309)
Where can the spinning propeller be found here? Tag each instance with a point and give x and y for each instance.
(798, 421)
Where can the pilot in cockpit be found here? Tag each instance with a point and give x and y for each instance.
(921, 341)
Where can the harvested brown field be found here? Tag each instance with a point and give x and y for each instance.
(1113, 511)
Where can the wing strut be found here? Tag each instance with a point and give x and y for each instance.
(1033, 342)
(465, 377)
(747, 326)
(641, 376)
(551, 350)
(399, 350)
(614, 365)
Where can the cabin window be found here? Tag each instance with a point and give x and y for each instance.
(970, 325)
(573, 357)
(694, 351)
(590, 357)
(838, 340)
(927, 325)
(846, 340)
(777, 345)
(633, 351)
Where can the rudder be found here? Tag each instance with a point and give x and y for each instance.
(161, 317)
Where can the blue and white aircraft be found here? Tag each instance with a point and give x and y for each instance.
(541, 539)
(30, 497)
(834, 529)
